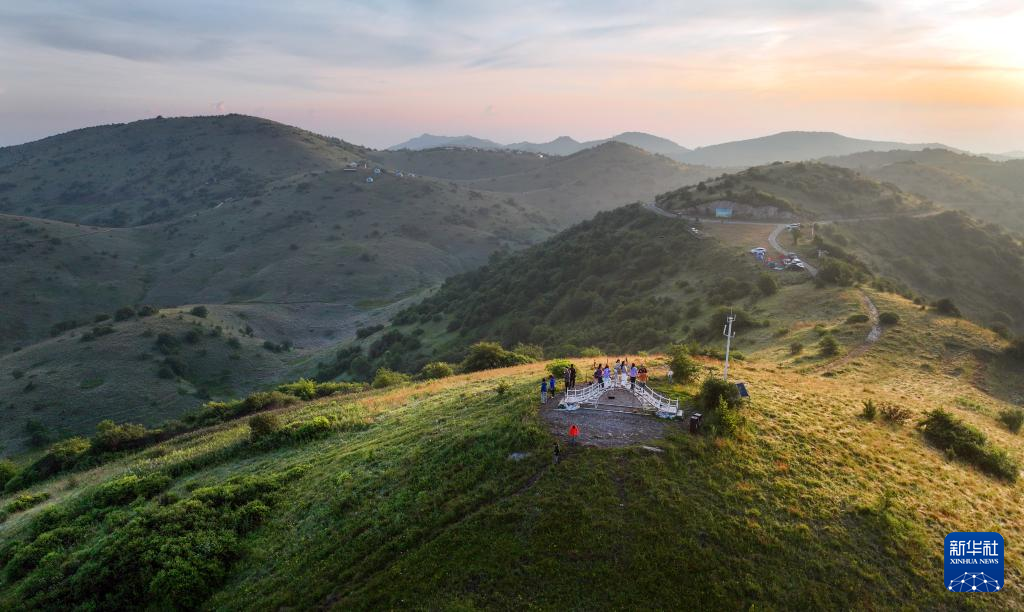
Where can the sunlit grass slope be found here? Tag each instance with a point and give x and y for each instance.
(412, 497)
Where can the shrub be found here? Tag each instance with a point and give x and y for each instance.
(684, 368)
(828, 346)
(894, 414)
(967, 443)
(558, 367)
(125, 490)
(262, 400)
(713, 390)
(726, 420)
(24, 502)
(146, 310)
(167, 343)
(503, 388)
(388, 378)
(37, 433)
(199, 311)
(7, 471)
(111, 437)
(436, 369)
(97, 331)
(532, 351)
(263, 425)
(1016, 349)
(767, 284)
(303, 388)
(889, 318)
(869, 410)
(124, 313)
(860, 317)
(490, 355)
(1013, 418)
(163, 556)
(795, 348)
(591, 351)
(369, 330)
(945, 306)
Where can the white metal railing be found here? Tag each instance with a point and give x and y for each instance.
(647, 396)
(659, 402)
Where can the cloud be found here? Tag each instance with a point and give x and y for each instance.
(219, 106)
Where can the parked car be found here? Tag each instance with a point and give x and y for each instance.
(756, 250)
(793, 226)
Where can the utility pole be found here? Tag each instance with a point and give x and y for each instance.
(729, 335)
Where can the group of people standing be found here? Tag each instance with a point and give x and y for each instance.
(622, 371)
(625, 373)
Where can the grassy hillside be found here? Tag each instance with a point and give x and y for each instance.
(990, 190)
(786, 146)
(950, 255)
(304, 256)
(626, 280)
(806, 190)
(460, 164)
(157, 169)
(145, 369)
(427, 494)
(575, 187)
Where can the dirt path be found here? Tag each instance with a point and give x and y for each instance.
(873, 336)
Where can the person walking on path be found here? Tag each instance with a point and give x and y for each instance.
(632, 376)
(543, 390)
(552, 386)
(624, 374)
(607, 376)
(572, 376)
(597, 374)
(567, 379)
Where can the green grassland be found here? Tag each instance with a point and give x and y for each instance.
(977, 265)
(990, 190)
(129, 373)
(624, 281)
(304, 255)
(806, 190)
(442, 494)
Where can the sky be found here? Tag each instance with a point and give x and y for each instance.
(377, 73)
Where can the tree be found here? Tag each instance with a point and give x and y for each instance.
(489, 355)
(436, 369)
(37, 433)
(684, 368)
(767, 284)
(828, 346)
(945, 306)
(199, 311)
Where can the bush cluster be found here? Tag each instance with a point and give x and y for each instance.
(171, 555)
(490, 355)
(962, 441)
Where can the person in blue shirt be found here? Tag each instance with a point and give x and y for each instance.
(552, 385)
(543, 390)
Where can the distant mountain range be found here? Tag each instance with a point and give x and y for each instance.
(784, 146)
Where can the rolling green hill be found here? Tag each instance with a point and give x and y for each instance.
(990, 190)
(977, 265)
(303, 256)
(425, 495)
(158, 169)
(805, 190)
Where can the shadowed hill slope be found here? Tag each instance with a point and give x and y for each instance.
(990, 190)
(157, 169)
